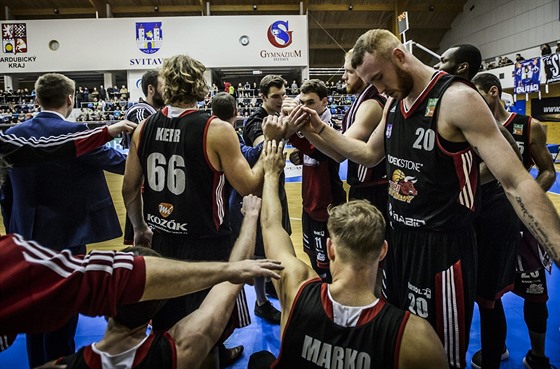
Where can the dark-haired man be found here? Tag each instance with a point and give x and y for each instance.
(497, 232)
(532, 259)
(321, 186)
(272, 91)
(460, 60)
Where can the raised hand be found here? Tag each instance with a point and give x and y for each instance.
(273, 157)
(251, 206)
(273, 128)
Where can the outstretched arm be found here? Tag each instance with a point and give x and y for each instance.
(277, 243)
(197, 333)
(21, 151)
(132, 193)
(530, 202)
(322, 136)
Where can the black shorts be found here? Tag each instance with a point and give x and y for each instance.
(183, 248)
(377, 195)
(433, 275)
(497, 234)
(532, 286)
(315, 236)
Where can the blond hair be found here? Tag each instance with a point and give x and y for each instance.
(183, 79)
(380, 41)
(358, 230)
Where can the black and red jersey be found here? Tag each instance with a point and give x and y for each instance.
(357, 174)
(520, 128)
(433, 183)
(183, 193)
(312, 339)
(157, 351)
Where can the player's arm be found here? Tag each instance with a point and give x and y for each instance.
(197, 333)
(132, 192)
(223, 146)
(277, 243)
(485, 175)
(530, 202)
(322, 136)
(21, 151)
(541, 156)
(420, 347)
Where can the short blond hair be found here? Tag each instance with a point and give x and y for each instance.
(380, 41)
(183, 79)
(358, 230)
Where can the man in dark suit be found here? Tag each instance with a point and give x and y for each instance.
(63, 204)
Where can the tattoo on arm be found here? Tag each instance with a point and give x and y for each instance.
(538, 231)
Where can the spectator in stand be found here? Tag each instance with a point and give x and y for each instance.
(102, 93)
(294, 87)
(557, 47)
(94, 95)
(79, 97)
(519, 58)
(545, 50)
(124, 93)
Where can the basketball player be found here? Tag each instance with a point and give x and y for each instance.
(532, 260)
(342, 324)
(433, 182)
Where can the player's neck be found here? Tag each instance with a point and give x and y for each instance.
(353, 288)
(500, 113)
(118, 338)
(422, 77)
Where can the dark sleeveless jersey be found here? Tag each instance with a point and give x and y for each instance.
(359, 175)
(313, 340)
(158, 351)
(429, 186)
(183, 193)
(520, 128)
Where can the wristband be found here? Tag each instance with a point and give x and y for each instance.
(321, 130)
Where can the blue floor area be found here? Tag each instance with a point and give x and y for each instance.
(263, 336)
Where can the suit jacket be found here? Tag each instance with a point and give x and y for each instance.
(64, 203)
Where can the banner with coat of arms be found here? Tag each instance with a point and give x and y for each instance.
(14, 38)
(527, 76)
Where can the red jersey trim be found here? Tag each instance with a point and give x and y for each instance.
(422, 96)
(399, 338)
(294, 303)
(93, 361)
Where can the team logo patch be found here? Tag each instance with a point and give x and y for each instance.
(14, 38)
(149, 36)
(279, 34)
(518, 129)
(431, 107)
(165, 209)
(401, 186)
(388, 130)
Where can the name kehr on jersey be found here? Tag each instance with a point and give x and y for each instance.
(334, 357)
(168, 134)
